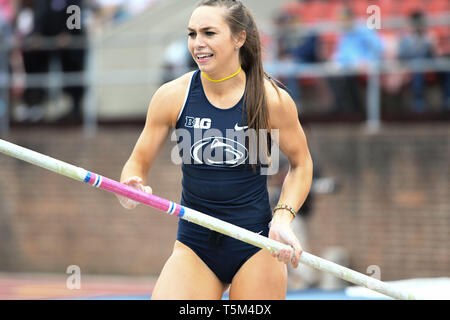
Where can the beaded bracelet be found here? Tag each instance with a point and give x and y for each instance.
(285, 206)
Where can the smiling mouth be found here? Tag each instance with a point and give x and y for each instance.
(204, 57)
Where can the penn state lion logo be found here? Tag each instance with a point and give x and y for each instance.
(219, 152)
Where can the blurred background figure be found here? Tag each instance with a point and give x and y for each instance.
(6, 13)
(50, 45)
(116, 11)
(68, 49)
(418, 44)
(357, 48)
(27, 102)
(304, 276)
(6, 20)
(296, 43)
(177, 60)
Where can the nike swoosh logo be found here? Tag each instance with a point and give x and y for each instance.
(238, 128)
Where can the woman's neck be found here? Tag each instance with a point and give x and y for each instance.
(223, 87)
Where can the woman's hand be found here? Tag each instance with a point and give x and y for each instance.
(280, 230)
(135, 182)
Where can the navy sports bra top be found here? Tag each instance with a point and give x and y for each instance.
(218, 178)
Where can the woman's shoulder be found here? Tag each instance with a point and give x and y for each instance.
(175, 88)
(279, 103)
(170, 96)
(277, 97)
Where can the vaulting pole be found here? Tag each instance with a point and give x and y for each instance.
(197, 217)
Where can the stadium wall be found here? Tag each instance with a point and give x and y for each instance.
(391, 207)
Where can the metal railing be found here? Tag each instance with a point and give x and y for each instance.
(91, 77)
(372, 70)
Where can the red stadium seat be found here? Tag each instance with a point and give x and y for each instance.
(329, 42)
(388, 7)
(312, 11)
(438, 6)
(332, 10)
(407, 7)
(293, 8)
(442, 35)
(359, 8)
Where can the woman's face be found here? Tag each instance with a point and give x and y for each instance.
(210, 41)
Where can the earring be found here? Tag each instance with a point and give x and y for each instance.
(236, 48)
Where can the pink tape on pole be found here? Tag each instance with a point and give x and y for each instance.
(132, 193)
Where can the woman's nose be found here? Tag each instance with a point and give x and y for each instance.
(199, 42)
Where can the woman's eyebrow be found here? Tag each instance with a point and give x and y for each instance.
(201, 29)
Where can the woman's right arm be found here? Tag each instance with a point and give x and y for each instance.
(161, 116)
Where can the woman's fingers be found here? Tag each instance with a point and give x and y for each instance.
(297, 252)
(284, 256)
(128, 203)
(284, 234)
(148, 190)
(135, 182)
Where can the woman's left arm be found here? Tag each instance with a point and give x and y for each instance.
(292, 142)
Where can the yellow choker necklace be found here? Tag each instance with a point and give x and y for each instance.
(226, 78)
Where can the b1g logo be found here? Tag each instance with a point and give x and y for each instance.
(209, 147)
(198, 123)
(219, 151)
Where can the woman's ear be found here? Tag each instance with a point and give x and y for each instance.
(239, 39)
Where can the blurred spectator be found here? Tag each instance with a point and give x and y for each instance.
(23, 28)
(6, 13)
(443, 50)
(304, 276)
(357, 48)
(445, 80)
(295, 45)
(177, 60)
(47, 40)
(306, 51)
(417, 44)
(114, 11)
(6, 10)
(287, 34)
(6, 18)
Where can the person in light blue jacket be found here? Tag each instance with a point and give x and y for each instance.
(358, 47)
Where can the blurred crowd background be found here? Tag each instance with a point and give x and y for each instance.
(339, 59)
(374, 101)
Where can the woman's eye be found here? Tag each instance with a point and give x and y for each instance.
(191, 34)
(210, 33)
